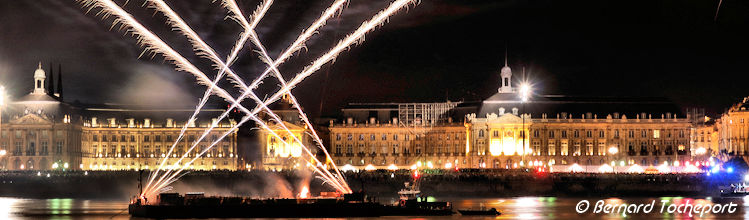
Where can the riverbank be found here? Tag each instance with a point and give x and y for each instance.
(485, 183)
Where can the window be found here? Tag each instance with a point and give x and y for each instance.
(481, 133)
(190, 138)
(656, 133)
(146, 138)
(132, 138)
(372, 137)
(158, 138)
(564, 134)
(551, 134)
(616, 133)
(384, 137)
(122, 137)
(18, 150)
(644, 133)
(170, 138)
(535, 133)
(631, 134)
(601, 134)
(361, 137)
(349, 149)
(104, 138)
(495, 133)
(31, 150)
(395, 137)
(337, 137)
(338, 149)
(349, 137)
(44, 151)
(576, 134)
(589, 134)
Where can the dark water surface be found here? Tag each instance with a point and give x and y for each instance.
(511, 208)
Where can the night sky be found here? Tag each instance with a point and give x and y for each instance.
(437, 50)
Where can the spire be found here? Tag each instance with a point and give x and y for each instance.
(505, 55)
(51, 81)
(59, 81)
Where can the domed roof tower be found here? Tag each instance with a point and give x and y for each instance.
(39, 80)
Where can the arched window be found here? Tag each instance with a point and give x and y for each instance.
(507, 82)
(38, 84)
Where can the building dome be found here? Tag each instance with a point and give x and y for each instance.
(39, 73)
(506, 71)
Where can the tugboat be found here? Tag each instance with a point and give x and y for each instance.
(411, 203)
(738, 190)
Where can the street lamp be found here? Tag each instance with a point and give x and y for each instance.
(613, 150)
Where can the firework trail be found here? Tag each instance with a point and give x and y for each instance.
(237, 16)
(153, 45)
(205, 51)
(355, 37)
(249, 29)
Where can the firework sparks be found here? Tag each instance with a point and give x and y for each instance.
(153, 45)
(248, 29)
(201, 48)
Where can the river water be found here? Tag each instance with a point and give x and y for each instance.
(511, 208)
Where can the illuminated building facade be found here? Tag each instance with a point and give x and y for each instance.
(41, 132)
(38, 131)
(733, 128)
(128, 144)
(510, 131)
(274, 153)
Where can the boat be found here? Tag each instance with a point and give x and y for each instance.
(738, 190)
(174, 205)
(491, 211)
(357, 204)
(411, 203)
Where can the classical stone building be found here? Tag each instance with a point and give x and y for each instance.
(136, 138)
(41, 132)
(285, 149)
(513, 129)
(733, 128)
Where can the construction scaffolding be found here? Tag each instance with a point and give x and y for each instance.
(424, 114)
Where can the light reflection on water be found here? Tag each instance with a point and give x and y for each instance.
(511, 208)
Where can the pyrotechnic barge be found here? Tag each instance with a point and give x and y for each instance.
(173, 205)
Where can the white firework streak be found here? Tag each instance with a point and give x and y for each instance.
(355, 37)
(152, 43)
(245, 119)
(237, 16)
(205, 51)
(249, 29)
